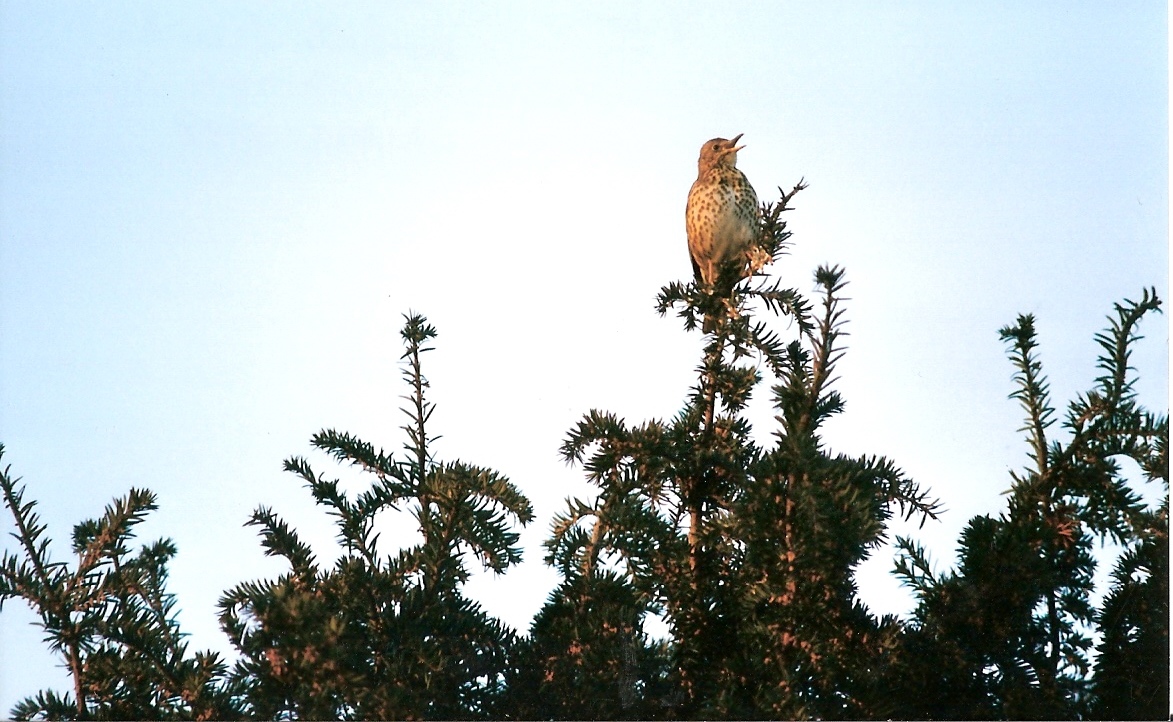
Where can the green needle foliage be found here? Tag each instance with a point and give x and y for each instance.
(748, 550)
(381, 636)
(1132, 673)
(587, 656)
(109, 618)
(1006, 635)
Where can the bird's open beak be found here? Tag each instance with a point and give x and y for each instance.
(734, 143)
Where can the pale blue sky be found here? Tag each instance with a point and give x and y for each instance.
(212, 217)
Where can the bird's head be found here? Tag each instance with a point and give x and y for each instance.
(719, 152)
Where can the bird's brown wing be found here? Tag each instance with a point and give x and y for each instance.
(695, 230)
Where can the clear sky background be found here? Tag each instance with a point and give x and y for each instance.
(212, 216)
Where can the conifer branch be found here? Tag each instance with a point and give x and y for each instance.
(279, 539)
(1032, 391)
(349, 449)
(416, 332)
(28, 527)
(914, 568)
(1117, 341)
(826, 351)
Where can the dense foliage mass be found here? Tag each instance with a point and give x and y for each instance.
(748, 552)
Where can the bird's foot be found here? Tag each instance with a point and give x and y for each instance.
(757, 258)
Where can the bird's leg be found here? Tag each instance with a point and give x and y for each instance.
(730, 310)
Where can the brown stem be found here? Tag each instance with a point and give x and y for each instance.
(694, 524)
(588, 564)
(694, 497)
(75, 670)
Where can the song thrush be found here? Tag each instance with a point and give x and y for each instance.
(722, 217)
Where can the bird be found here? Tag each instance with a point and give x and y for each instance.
(722, 217)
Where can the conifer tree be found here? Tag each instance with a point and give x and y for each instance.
(1006, 634)
(747, 552)
(382, 636)
(110, 618)
(807, 520)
